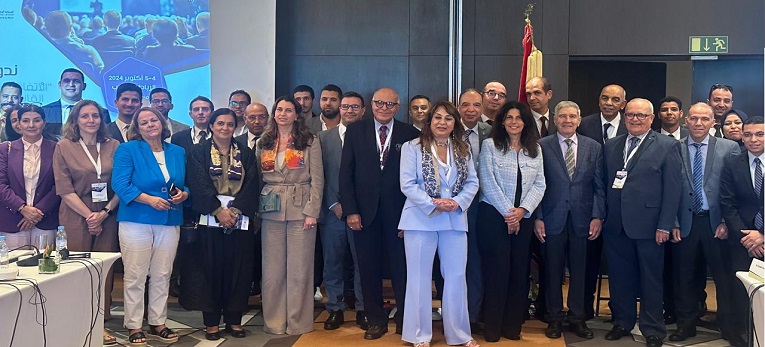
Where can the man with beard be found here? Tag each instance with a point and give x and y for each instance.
(494, 96)
(329, 100)
(161, 100)
(10, 95)
(128, 101)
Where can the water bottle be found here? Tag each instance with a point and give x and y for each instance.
(3, 253)
(60, 239)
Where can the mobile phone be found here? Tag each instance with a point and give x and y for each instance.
(173, 189)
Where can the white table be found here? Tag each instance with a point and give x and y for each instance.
(70, 305)
(758, 304)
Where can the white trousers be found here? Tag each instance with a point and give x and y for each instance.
(147, 250)
(29, 237)
(420, 247)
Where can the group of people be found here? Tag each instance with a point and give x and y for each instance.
(477, 183)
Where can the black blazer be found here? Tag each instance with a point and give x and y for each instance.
(591, 127)
(362, 184)
(738, 201)
(114, 132)
(651, 194)
(183, 139)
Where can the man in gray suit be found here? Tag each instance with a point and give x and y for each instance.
(329, 101)
(336, 235)
(470, 108)
(702, 233)
(570, 215)
(161, 100)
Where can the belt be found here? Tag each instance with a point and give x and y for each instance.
(702, 213)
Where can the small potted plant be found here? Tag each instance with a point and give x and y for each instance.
(48, 264)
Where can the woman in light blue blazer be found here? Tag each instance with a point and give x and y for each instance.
(148, 176)
(439, 181)
(512, 185)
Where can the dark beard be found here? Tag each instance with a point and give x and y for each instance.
(331, 115)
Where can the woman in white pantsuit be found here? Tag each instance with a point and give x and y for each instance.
(439, 181)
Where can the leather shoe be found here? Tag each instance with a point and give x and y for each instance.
(682, 333)
(734, 339)
(616, 333)
(235, 333)
(335, 320)
(653, 341)
(361, 320)
(553, 330)
(213, 336)
(375, 332)
(476, 328)
(581, 330)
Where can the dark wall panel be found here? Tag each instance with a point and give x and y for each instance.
(427, 76)
(429, 27)
(744, 75)
(499, 26)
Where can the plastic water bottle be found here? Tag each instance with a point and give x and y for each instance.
(60, 239)
(3, 253)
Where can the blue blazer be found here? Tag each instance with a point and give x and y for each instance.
(136, 171)
(419, 212)
(583, 195)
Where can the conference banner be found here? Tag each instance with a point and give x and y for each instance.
(151, 43)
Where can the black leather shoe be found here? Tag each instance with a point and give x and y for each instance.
(616, 333)
(335, 320)
(581, 330)
(213, 336)
(734, 339)
(255, 289)
(653, 341)
(235, 333)
(375, 332)
(361, 320)
(683, 333)
(553, 330)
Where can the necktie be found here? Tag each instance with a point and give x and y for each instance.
(125, 132)
(202, 135)
(383, 137)
(633, 143)
(698, 178)
(543, 129)
(758, 181)
(68, 109)
(605, 131)
(670, 135)
(569, 157)
(467, 135)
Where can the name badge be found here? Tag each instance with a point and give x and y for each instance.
(621, 176)
(98, 192)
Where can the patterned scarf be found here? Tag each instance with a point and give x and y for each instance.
(293, 159)
(234, 162)
(432, 180)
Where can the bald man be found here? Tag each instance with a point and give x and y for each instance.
(372, 202)
(538, 95)
(255, 119)
(494, 96)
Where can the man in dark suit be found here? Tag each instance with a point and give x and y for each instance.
(113, 39)
(336, 236)
(161, 100)
(670, 114)
(741, 200)
(702, 234)
(471, 108)
(538, 94)
(71, 84)
(571, 213)
(255, 119)
(200, 110)
(329, 101)
(201, 40)
(644, 174)
(128, 101)
(611, 101)
(372, 202)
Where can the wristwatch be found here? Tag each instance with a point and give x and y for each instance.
(107, 210)
(21, 207)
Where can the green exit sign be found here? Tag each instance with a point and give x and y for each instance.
(707, 44)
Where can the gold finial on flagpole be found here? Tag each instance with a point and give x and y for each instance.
(528, 12)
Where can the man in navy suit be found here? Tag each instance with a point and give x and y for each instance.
(200, 109)
(643, 176)
(741, 200)
(71, 84)
(372, 203)
(701, 239)
(570, 215)
(128, 101)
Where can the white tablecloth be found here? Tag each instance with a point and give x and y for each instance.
(68, 303)
(758, 305)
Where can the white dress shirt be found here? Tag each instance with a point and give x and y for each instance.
(65, 109)
(614, 124)
(675, 134)
(627, 146)
(752, 166)
(196, 135)
(31, 168)
(341, 128)
(538, 119)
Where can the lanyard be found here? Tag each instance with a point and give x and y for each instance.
(96, 163)
(634, 150)
(387, 141)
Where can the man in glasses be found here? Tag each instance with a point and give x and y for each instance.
(741, 200)
(10, 95)
(237, 102)
(643, 187)
(161, 100)
(419, 106)
(721, 100)
(494, 96)
(304, 95)
(372, 201)
(329, 101)
(200, 110)
(337, 238)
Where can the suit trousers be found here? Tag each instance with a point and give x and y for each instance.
(147, 249)
(635, 269)
(474, 272)
(505, 260)
(420, 249)
(556, 250)
(335, 238)
(376, 244)
(594, 258)
(287, 291)
(700, 244)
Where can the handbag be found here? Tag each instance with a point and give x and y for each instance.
(269, 201)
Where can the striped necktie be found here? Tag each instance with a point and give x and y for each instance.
(569, 157)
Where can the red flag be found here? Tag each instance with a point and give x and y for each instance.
(527, 44)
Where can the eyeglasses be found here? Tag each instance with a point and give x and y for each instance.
(641, 116)
(238, 104)
(203, 109)
(387, 104)
(493, 94)
(347, 106)
(759, 135)
(163, 102)
(71, 80)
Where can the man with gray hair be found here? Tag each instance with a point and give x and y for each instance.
(569, 216)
